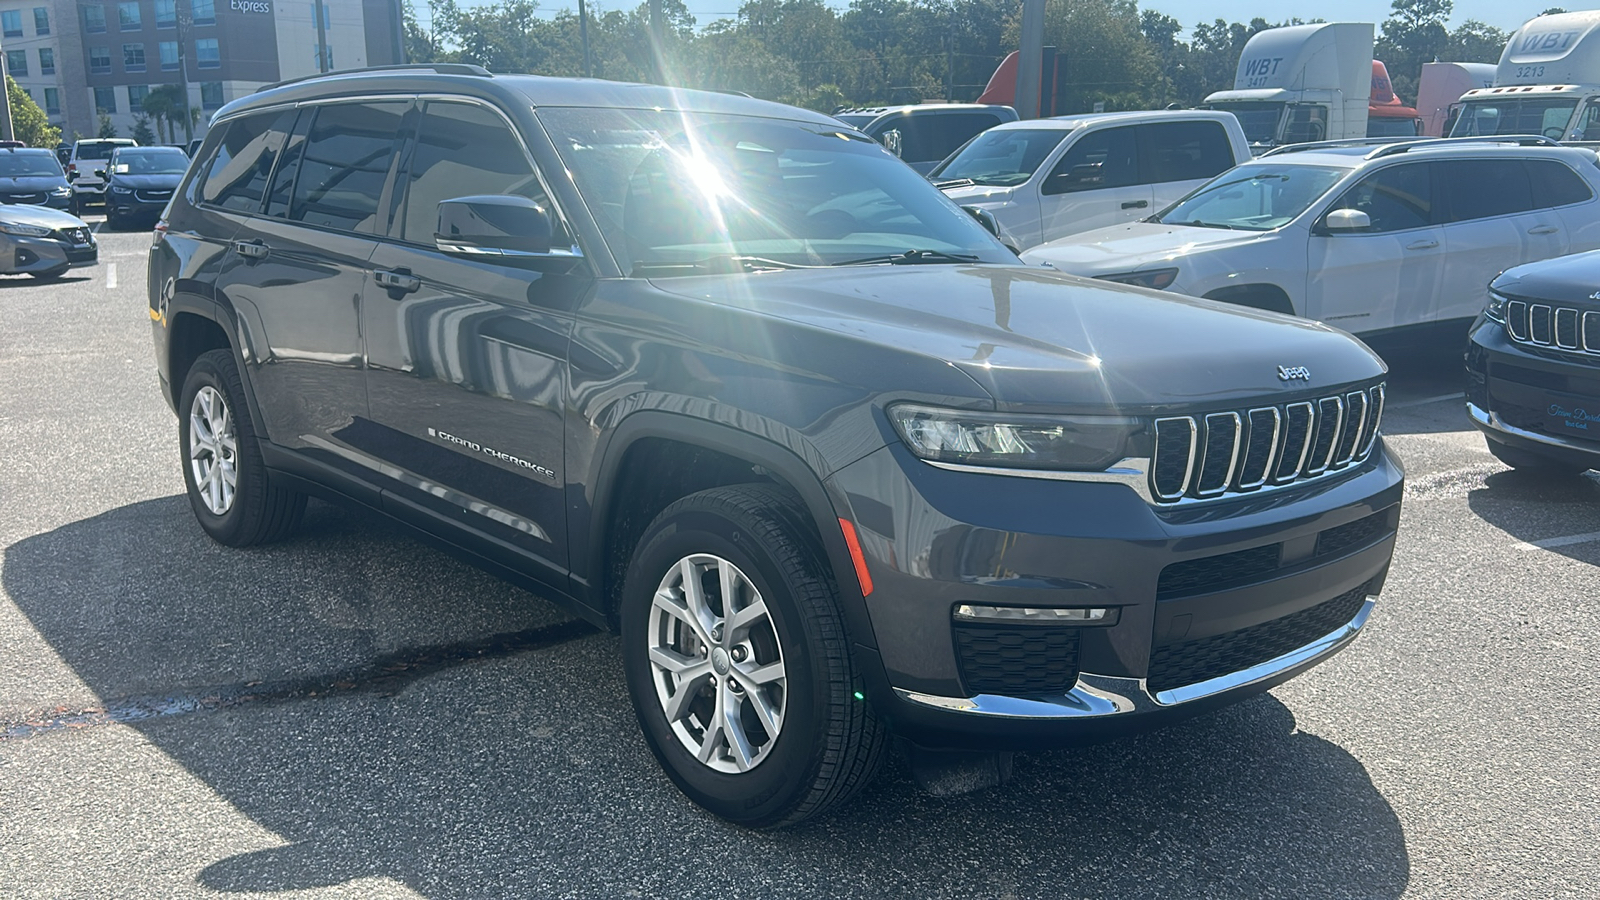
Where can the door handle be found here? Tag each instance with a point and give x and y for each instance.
(397, 281)
(1543, 229)
(1136, 204)
(251, 249)
(1422, 245)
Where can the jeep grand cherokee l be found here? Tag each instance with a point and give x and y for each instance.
(730, 378)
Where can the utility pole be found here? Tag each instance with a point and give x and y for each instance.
(185, 28)
(321, 11)
(583, 32)
(6, 131)
(1030, 62)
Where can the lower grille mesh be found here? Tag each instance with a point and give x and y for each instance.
(1191, 662)
(1034, 659)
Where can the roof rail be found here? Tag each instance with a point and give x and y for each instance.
(439, 68)
(1518, 140)
(1333, 145)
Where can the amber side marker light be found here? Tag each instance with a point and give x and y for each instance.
(851, 541)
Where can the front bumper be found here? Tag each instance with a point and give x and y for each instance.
(1538, 400)
(132, 206)
(52, 200)
(1212, 602)
(21, 255)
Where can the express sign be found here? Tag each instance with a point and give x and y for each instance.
(250, 6)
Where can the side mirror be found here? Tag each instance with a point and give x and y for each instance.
(72, 175)
(496, 225)
(1083, 176)
(891, 140)
(1347, 221)
(991, 225)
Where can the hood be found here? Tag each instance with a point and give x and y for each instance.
(147, 182)
(1568, 279)
(32, 184)
(979, 193)
(1138, 245)
(39, 215)
(1036, 339)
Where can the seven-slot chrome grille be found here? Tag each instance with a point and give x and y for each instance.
(1204, 456)
(1556, 327)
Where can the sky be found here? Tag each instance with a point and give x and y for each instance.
(1501, 14)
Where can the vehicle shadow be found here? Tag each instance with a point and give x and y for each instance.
(1537, 507)
(1426, 385)
(522, 773)
(17, 281)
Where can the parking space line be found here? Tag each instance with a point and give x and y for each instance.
(111, 276)
(1567, 541)
(1426, 400)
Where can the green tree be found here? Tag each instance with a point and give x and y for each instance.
(141, 130)
(1413, 34)
(1473, 41)
(165, 105)
(1103, 56)
(29, 123)
(107, 128)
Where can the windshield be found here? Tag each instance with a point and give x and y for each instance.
(29, 165)
(151, 162)
(1529, 115)
(1391, 126)
(1256, 197)
(1001, 157)
(673, 192)
(1259, 120)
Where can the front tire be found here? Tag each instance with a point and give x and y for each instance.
(738, 662)
(227, 482)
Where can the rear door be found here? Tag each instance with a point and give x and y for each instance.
(1095, 183)
(298, 266)
(1492, 226)
(466, 356)
(1177, 157)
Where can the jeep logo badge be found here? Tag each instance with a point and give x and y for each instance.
(1294, 373)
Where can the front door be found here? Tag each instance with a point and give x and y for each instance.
(1387, 276)
(1095, 183)
(466, 356)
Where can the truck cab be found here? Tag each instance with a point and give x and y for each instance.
(1440, 89)
(1387, 114)
(1302, 83)
(1547, 82)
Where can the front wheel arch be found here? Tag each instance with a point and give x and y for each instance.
(1267, 297)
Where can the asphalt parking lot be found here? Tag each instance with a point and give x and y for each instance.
(352, 714)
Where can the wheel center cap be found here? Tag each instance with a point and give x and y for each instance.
(720, 661)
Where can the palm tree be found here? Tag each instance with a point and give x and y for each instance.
(166, 105)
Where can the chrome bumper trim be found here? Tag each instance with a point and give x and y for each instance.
(1101, 696)
(1487, 419)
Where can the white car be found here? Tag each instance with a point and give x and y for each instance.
(1366, 237)
(1047, 178)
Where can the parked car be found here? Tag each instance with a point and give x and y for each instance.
(33, 176)
(925, 133)
(1531, 365)
(43, 242)
(64, 155)
(1044, 179)
(140, 181)
(1368, 237)
(89, 157)
(741, 385)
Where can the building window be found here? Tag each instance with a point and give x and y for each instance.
(166, 13)
(211, 94)
(47, 61)
(52, 101)
(16, 62)
(169, 55)
(100, 60)
(41, 20)
(105, 100)
(205, 54)
(128, 16)
(133, 57)
(94, 19)
(136, 95)
(11, 22)
(204, 11)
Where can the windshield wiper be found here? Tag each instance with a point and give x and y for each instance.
(912, 258)
(954, 183)
(726, 263)
(1199, 224)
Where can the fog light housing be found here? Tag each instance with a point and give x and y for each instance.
(1036, 615)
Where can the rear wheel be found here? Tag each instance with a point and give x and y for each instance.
(738, 662)
(227, 481)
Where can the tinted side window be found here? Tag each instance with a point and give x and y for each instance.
(236, 175)
(282, 189)
(928, 138)
(1395, 198)
(1184, 151)
(463, 150)
(1101, 159)
(1554, 184)
(1480, 188)
(345, 165)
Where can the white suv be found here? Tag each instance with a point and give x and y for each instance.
(1365, 236)
(86, 168)
(1047, 178)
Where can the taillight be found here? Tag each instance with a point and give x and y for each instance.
(72, 168)
(158, 234)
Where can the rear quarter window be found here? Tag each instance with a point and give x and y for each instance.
(1555, 185)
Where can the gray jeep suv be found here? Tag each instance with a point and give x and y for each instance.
(730, 378)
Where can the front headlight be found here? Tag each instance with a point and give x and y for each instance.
(24, 230)
(1154, 279)
(1496, 309)
(61, 192)
(121, 190)
(1078, 443)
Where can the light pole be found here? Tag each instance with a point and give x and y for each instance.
(6, 131)
(185, 15)
(1030, 62)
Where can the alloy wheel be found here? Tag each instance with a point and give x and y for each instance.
(213, 450)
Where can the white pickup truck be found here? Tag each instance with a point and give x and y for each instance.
(1043, 179)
